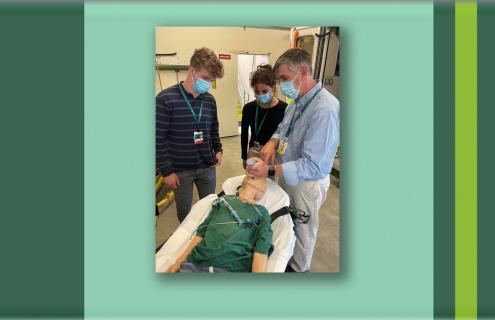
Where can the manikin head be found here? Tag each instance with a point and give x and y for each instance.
(252, 189)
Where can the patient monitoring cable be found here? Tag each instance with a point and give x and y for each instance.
(233, 213)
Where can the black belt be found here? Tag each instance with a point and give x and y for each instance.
(280, 212)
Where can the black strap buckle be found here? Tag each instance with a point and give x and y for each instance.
(299, 216)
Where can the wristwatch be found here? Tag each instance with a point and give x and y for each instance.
(271, 170)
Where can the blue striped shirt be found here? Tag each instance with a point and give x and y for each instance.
(312, 145)
(175, 126)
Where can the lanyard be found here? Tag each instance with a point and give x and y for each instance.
(256, 129)
(197, 118)
(294, 118)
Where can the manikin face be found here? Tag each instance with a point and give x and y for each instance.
(253, 188)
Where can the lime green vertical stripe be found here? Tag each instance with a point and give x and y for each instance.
(465, 160)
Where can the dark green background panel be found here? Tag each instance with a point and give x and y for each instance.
(444, 160)
(486, 160)
(41, 129)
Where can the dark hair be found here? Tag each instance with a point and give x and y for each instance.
(264, 75)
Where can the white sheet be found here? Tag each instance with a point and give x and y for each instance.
(274, 199)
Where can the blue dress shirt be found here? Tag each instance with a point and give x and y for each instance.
(313, 142)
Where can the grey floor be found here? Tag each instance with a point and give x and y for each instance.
(326, 254)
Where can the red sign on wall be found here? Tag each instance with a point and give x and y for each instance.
(224, 56)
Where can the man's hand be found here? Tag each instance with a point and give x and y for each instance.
(175, 267)
(260, 169)
(244, 164)
(172, 180)
(267, 153)
(219, 156)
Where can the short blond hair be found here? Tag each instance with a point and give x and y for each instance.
(204, 58)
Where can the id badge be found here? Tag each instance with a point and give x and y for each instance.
(198, 137)
(282, 146)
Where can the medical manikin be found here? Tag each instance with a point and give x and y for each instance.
(235, 237)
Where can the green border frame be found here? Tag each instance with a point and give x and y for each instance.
(444, 129)
(42, 173)
(391, 116)
(486, 160)
(48, 281)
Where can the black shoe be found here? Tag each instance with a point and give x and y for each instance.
(289, 269)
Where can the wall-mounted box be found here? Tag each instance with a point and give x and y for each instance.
(331, 83)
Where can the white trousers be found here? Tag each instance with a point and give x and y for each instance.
(307, 196)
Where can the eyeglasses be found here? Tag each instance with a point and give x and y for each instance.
(285, 79)
(203, 77)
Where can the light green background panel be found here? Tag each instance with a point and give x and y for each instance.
(387, 155)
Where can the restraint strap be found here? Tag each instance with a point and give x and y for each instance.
(160, 246)
(280, 212)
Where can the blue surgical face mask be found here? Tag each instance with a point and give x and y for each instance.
(265, 98)
(288, 88)
(201, 86)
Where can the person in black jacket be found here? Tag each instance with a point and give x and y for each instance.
(263, 114)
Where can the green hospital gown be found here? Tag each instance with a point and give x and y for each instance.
(231, 246)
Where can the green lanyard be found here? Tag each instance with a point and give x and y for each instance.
(197, 118)
(294, 118)
(256, 129)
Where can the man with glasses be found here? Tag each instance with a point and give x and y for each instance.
(188, 147)
(303, 148)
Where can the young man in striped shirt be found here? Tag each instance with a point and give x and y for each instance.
(188, 147)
